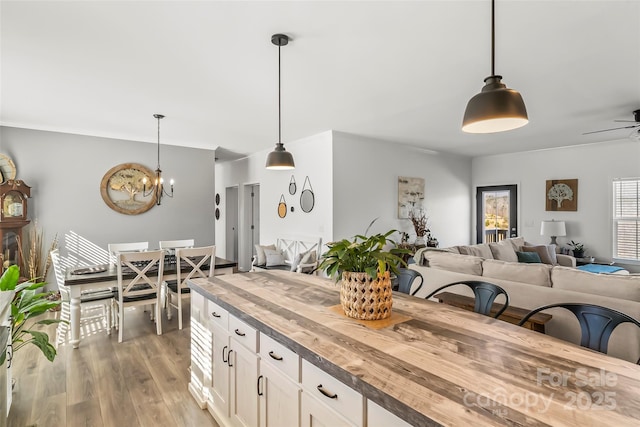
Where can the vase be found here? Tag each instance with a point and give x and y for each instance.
(365, 298)
(578, 254)
(420, 241)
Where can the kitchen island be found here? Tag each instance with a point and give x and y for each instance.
(429, 364)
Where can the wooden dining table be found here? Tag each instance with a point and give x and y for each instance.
(105, 276)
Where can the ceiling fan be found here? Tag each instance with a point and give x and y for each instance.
(636, 121)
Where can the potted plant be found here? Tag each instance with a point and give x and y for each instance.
(27, 304)
(364, 267)
(578, 249)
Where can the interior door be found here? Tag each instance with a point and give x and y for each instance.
(496, 213)
(231, 231)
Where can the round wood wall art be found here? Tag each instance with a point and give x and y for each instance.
(122, 188)
(282, 207)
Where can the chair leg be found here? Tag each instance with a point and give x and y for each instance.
(120, 321)
(179, 311)
(169, 313)
(158, 307)
(107, 317)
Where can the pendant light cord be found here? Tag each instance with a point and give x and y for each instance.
(279, 102)
(493, 39)
(158, 142)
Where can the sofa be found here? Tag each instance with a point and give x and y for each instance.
(532, 285)
(300, 256)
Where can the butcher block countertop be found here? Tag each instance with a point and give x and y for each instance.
(434, 364)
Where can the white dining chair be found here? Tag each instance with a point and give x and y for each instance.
(174, 244)
(200, 262)
(115, 248)
(141, 289)
(100, 298)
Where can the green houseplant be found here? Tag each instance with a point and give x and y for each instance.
(26, 305)
(578, 249)
(364, 266)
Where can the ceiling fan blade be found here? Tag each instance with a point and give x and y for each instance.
(607, 130)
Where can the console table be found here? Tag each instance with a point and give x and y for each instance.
(512, 314)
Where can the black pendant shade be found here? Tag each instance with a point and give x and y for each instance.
(496, 108)
(280, 158)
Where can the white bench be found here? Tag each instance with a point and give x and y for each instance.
(290, 249)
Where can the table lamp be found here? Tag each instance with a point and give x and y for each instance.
(553, 229)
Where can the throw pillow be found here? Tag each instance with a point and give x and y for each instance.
(308, 257)
(273, 257)
(541, 250)
(296, 261)
(503, 251)
(261, 258)
(528, 257)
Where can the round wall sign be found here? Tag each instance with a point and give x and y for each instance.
(122, 189)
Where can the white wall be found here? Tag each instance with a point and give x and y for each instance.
(365, 187)
(312, 157)
(594, 166)
(65, 172)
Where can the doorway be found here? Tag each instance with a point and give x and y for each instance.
(496, 213)
(231, 229)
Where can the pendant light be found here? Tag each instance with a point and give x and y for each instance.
(157, 186)
(280, 159)
(496, 108)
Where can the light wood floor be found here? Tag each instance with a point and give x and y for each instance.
(139, 382)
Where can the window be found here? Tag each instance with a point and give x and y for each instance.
(626, 219)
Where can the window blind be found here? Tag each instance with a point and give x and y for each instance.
(626, 218)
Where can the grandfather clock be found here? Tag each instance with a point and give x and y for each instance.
(13, 217)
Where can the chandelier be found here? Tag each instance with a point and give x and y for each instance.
(158, 185)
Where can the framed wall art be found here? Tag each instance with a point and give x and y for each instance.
(410, 195)
(561, 195)
(122, 189)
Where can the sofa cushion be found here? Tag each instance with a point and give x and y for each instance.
(261, 258)
(467, 264)
(483, 250)
(533, 274)
(541, 250)
(516, 242)
(610, 285)
(503, 251)
(273, 257)
(528, 257)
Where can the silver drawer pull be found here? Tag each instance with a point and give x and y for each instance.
(241, 334)
(274, 356)
(326, 393)
(214, 314)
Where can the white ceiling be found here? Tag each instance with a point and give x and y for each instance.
(391, 70)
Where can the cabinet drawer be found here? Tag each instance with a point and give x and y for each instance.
(377, 416)
(276, 354)
(243, 333)
(333, 393)
(218, 315)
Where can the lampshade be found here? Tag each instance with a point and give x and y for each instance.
(553, 229)
(495, 109)
(280, 159)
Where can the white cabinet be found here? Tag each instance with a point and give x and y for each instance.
(316, 414)
(377, 416)
(279, 388)
(327, 401)
(200, 350)
(244, 385)
(219, 389)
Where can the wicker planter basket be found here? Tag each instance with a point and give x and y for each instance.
(365, 298)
